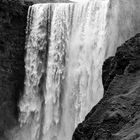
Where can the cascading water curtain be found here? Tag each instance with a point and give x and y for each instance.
(65, 49)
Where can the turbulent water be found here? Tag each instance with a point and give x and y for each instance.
(65, 49)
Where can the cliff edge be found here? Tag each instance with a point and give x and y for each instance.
(117, 115)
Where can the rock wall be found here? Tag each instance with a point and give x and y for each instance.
(12, 41)
(117, 115)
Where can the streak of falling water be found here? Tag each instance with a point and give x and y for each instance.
(55, 82)
(83, 80)
(66, 46)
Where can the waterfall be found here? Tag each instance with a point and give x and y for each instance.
(65, 49)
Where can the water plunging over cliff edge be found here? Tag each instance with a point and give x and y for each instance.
(66, 46)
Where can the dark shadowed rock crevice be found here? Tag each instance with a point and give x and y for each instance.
(117, 115)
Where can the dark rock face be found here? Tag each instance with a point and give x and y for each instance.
(13, 16)
(117, 115)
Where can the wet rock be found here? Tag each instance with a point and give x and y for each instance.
(13, 14)
(117, 115)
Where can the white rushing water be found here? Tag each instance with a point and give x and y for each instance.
(66, 46)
